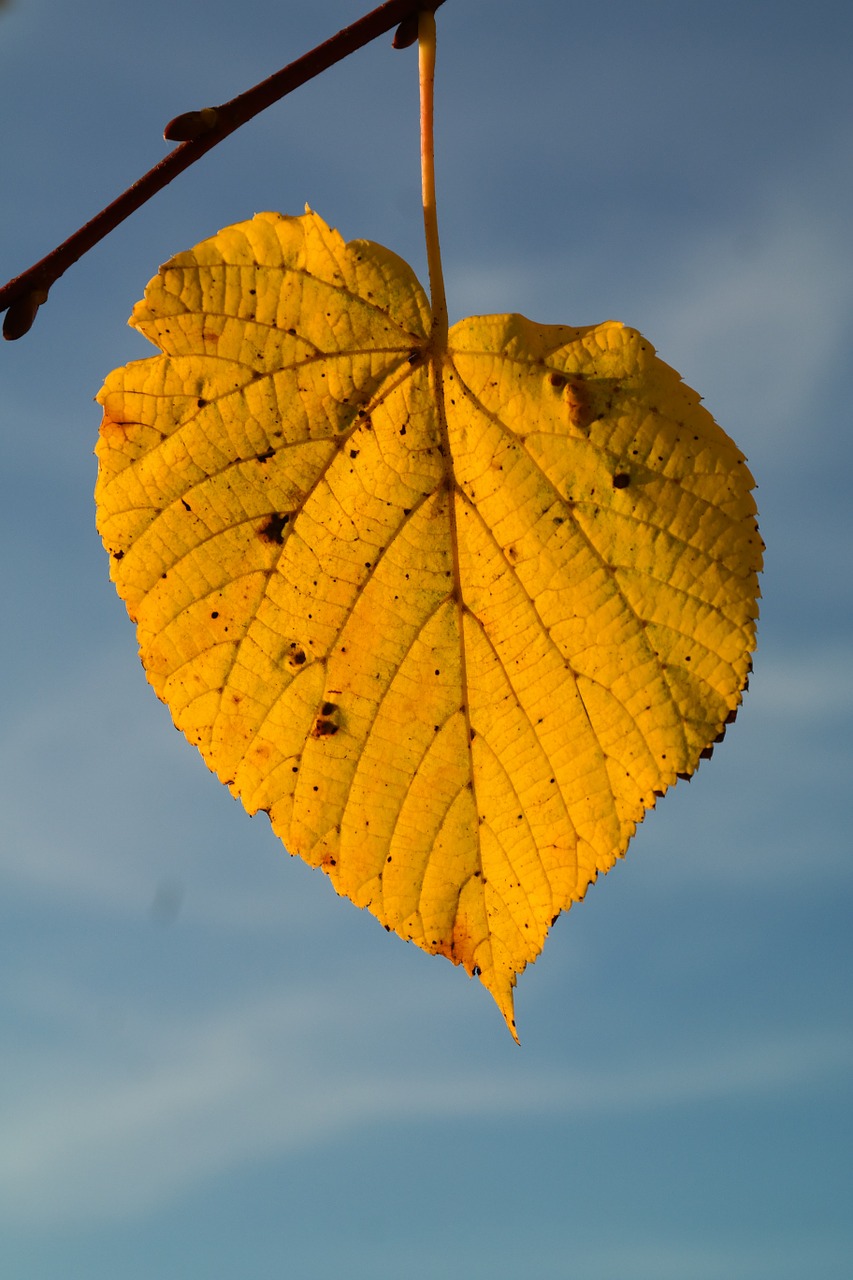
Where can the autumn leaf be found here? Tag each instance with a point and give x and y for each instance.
(453, 609)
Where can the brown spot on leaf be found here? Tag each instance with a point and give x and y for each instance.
(324, 728)
(326, 724)
(272, 530)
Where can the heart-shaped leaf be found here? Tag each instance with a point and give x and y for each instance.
(453, 612)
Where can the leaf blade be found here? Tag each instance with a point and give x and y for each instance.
(453, 614)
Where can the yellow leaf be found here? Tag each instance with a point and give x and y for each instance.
(453, 614)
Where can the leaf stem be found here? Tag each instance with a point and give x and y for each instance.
(197, 132)
(426, 67)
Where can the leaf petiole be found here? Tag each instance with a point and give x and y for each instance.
(426, 68)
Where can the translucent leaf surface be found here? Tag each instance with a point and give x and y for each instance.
(452, 615)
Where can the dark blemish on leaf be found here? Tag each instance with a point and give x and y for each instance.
(328, 708)
(476, 971)
(324, 728)
(201, 402)
(706, 752)
(403, 429)
(621, 480)
(273, 529)
(266, 455)
(119, 555)
(215, 613)
(353, 453)
(186, 505)
(414, 356)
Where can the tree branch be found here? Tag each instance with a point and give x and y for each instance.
(197, 132)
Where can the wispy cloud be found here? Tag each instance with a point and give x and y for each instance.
(806, 687)
(172, 1103)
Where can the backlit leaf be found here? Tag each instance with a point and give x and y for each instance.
(453, 616)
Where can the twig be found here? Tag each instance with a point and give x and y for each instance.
(196, 133)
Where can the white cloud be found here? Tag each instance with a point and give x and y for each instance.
(106, 808)
(756, 1256)
(759, 321)
(115, 1125)
(806, 688)
(754, 311)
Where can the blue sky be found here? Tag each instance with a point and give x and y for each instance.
(209, 1064)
